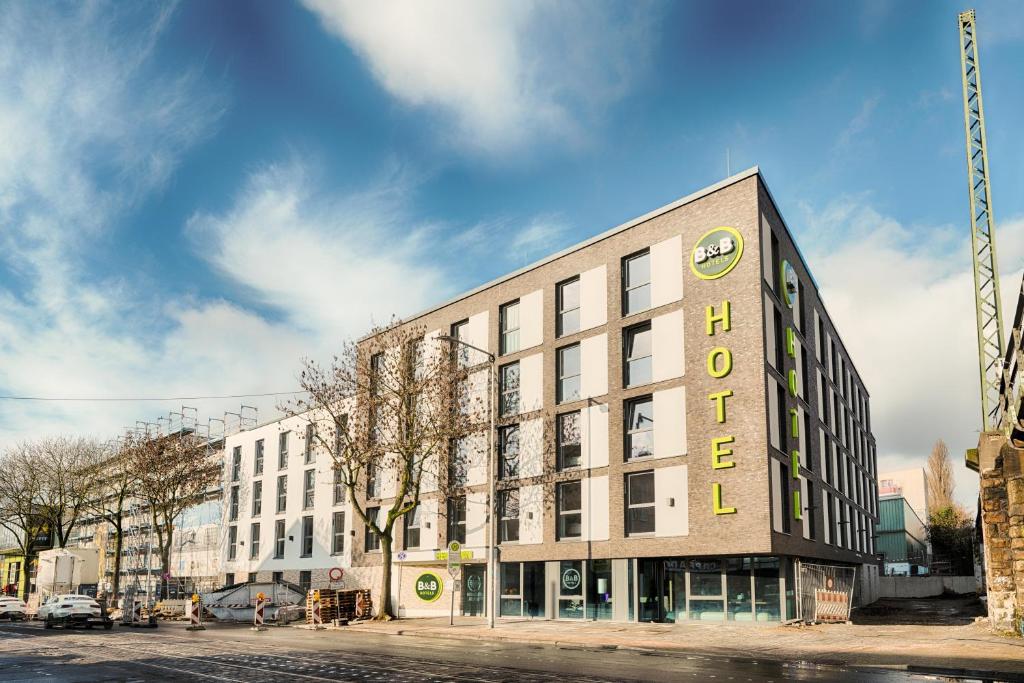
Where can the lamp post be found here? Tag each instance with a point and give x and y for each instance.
(491, 417)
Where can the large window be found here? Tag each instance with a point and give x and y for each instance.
(279, 539)
(568, 440)
(371, 541)
(636, 283)
(232, 542)
(508, 449)
(372, 480)
(307, 536)
(568, 302)
(569, 373)
(639, 503)
(639, 427)
(282, 493)
(508, 381)
(457, 519)
(339, 488)
(308, 488)
(570, 589)
(570, 510)
(508, 525)
(254, 541)
(258, 459)
(233, 509)
(282, 450)
(599, 589)
(509, 316)
(257, 498)
(412, 521)
(458, 462)
(638, 355)
(338, 533)
(236, 462)
(460, 352)
(309, 454)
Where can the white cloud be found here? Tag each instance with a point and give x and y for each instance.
(508, 72)
(902, 299)
(857, 125)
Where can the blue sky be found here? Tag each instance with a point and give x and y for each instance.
(193, 196)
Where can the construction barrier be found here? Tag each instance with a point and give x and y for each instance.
(317, 620)
(195, 609)
(257, 619)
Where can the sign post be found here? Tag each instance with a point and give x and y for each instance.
(454, 567)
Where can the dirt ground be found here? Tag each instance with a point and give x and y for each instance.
(951, 610)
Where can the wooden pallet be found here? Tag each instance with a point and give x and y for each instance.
(339, 604)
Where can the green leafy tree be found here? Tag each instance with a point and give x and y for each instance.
(951, 533)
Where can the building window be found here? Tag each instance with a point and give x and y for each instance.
(372, 480)
(411, 537)
(305, 580)
(508, 381)
(257, 498)
(638, 355)
(277, 577)
(233, 509)
(338, 533)
(508, 449)
(509, 316)
(570, 510)
(236, 462)
(460, 352)
(636, 283)
(308, 489)
(568, 440)
(371, 541)
(282, 493)
(232, 542)
(258, 460)
(775, 263)
(457, 519)
(339, 488)
(568, 302)
(229, 579)
(780, 340)
(639, 503)
(254, 541)
(279, 539)
(282, 450)
(568, 373)
(252, 577)
(639, 427)
(307, 536)
(309, 455)
(508, 521)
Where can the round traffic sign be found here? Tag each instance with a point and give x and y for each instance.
(336, 573)
(429, 586)
(454, 547)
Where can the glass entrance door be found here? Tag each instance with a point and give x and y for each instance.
(473, 590)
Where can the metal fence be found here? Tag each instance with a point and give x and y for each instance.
(825, 592)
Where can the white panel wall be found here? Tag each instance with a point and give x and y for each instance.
(667, 346)
(476, 519)
(594, 435)
(777, 479)
(594, 366)
(667, 271)
(670, 422)
(531, 319)
(477, 335)
(773, 414)
(531, 448)
(595, 508)
(670, 482)
(826, 510)
(531, 383)
(477, 466)
(531, 515)
(806, 514)
(428, 515)
(769, 330)
(593, 298)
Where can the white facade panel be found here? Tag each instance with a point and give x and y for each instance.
(769, 332)
(476, 447)
(773, 415)
(429, 515)
(531, 515)
(531, 319)
(594, 435)
(667, 271)
(671, 516)
(476, 519)
(531, 448)
(594, 366)
(806, 514)
(670, 422)
(593, 298)
(595, 508)
(531, 383)
(477, 335)
(667, 346)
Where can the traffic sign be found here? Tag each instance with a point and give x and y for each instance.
(454, 558)
(402, 555)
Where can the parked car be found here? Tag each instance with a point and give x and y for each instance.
(11, 608)
(73, 610)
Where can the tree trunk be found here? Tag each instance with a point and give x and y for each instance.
(25, 579)
(384, 612)
(118, 547)
(165, 564)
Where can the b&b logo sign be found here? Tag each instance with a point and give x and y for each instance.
(716, 253)
(429, 587)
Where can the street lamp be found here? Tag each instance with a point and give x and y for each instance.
(491, 568)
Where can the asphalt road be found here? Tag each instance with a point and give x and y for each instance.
(235, 653)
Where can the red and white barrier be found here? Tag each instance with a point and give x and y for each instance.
(318, 621)
(257, 619)
(195, 609)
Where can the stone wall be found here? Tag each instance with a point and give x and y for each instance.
(1002, 518)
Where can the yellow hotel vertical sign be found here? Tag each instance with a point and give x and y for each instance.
(716, 253)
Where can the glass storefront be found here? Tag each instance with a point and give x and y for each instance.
(522, 589)
(599, 590)
(570, 589)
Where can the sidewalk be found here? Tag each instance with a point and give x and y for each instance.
(970, 647)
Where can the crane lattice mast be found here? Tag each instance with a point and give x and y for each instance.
(983, 238)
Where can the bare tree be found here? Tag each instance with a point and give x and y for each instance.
(394, 406)
(174, 473)
(68, 467)
(940, 478)
(115, 484)
(20, 489)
